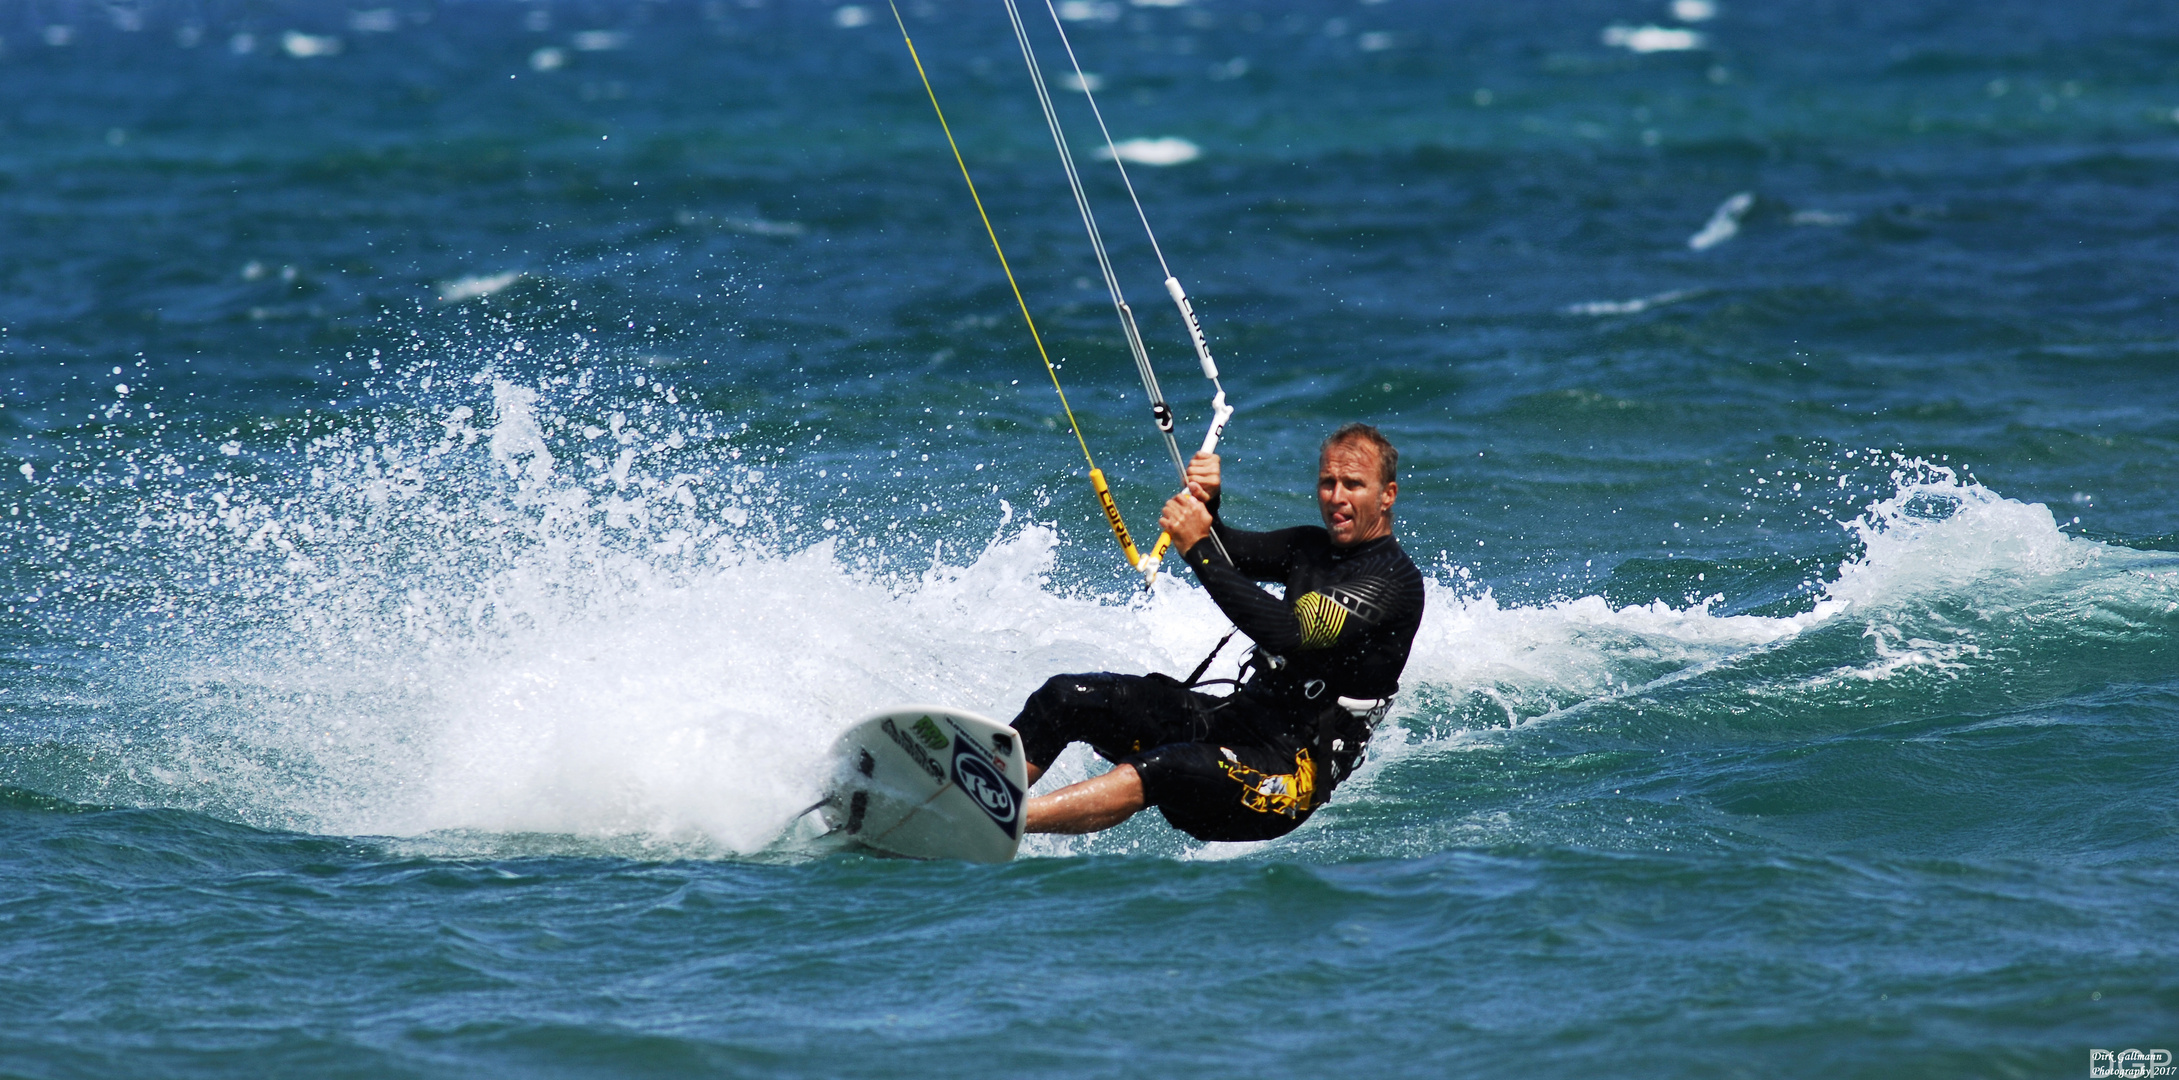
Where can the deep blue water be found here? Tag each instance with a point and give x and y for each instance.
(547, 424)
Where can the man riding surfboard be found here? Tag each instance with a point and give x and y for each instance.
(1254, 764)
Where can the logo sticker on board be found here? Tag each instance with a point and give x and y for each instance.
(989, 787)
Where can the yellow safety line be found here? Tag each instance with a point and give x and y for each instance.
(1097, 476)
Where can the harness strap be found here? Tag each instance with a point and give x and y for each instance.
(1195, 676)
(1333, 725)
(1340, 759)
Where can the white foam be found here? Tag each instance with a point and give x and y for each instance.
(1937, 533)
(513, 622)
(1649, 39)
(475, 630)
(1694, 10)
(1088, 10)
(469, 288)
(517, 443)
(1935, 539)
(692, 711)
(305, 46)
(1169, 150)
(1630, 307)
(599, 40)
(1724, 223)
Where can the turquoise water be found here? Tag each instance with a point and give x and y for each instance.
(547, 424)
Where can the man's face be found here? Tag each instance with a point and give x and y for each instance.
(1355, 502)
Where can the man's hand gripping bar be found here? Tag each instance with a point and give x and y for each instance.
(1220, 413)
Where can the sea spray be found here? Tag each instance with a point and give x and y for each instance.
(551, 599)
(547, 615)
(528, 616)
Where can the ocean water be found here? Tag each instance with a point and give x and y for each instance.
(462, 462)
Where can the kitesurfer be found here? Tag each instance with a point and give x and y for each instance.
(1256, 763)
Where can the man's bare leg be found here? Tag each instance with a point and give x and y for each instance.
(1097, 803)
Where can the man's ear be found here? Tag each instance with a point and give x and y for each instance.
(1392, 495)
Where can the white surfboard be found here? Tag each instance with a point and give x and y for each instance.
(928, 782)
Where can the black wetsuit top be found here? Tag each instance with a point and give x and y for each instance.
(1343, 629)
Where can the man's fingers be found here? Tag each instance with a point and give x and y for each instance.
(1183, 515)
(1203, 478)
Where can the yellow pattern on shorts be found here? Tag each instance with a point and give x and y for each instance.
(1292, 794)
(1321, 620)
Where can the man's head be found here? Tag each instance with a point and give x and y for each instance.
(1356, 484)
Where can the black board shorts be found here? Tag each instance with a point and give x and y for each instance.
(1205, 761)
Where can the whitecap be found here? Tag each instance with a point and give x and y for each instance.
(1724, 223)
(599, 40)
(1630, 307)
(1169, 150)
(305, 46)
(469, 288)
(1649, 39)
(1088, 10)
